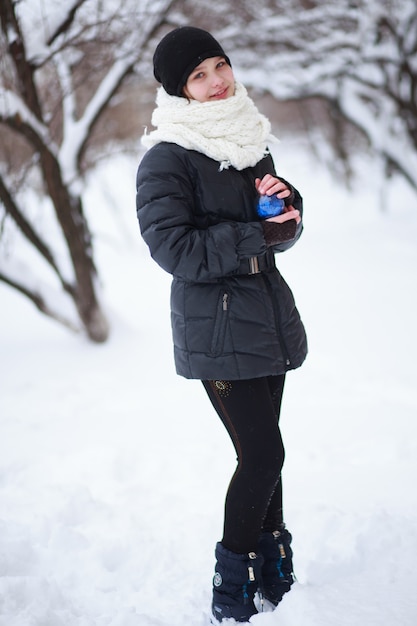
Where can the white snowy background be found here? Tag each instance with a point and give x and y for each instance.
(113, 470)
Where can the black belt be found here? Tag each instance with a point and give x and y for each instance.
(257, 264)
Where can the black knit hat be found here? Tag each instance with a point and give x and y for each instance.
(179, 52)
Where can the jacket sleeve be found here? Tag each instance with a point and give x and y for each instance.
(165, 203)
(297, 203)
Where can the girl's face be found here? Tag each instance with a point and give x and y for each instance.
(211, 80)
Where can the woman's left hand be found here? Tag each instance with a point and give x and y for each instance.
(269, 185)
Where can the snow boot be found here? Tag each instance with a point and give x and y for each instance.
(236, 580)
(277, 569)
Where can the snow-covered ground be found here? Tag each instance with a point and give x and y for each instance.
(113, 470)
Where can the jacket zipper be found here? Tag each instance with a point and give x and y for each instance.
(219, 330)
(277, 317)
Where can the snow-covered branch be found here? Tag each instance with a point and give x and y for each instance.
(60, 21)
(385, 139)
(361, 57)
(42, 28)
(62, 67)
(76, 131)
(15, 112)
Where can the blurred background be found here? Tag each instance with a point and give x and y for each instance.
(113, 469)
(77, 87)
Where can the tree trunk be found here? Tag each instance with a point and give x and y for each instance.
(69, 212)
(68, 207)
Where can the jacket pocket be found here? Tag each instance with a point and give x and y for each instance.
(220, 324)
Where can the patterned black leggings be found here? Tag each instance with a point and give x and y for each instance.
(250, 411)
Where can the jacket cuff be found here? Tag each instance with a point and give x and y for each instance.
(251, 240)
(275, 233)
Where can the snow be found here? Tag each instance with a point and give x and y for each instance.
(113, 470)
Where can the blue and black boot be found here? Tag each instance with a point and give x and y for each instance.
(277, 568)
(236, 580)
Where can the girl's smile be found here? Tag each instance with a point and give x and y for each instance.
(223, 93)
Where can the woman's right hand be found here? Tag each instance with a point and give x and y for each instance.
(289, 213)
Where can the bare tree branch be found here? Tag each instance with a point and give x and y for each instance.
(29, 233)
(39, 301)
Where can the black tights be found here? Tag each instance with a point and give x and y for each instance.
(250, 410)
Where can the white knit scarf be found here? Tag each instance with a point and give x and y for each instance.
(231, 131)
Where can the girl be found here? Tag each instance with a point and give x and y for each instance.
(234, 321)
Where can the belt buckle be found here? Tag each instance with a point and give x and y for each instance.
(254, 265)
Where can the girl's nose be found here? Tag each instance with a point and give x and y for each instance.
(216, 80)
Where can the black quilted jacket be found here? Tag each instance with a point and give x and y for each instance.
(201, 226)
